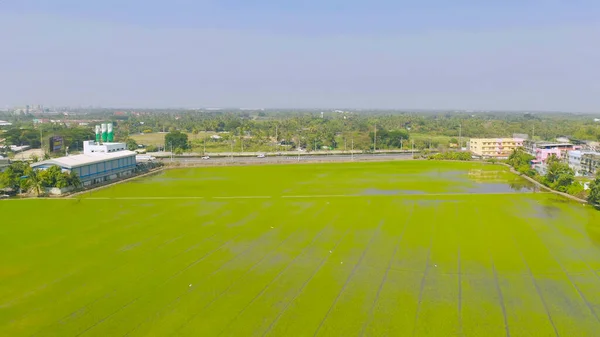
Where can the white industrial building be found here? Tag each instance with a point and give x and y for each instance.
(100, 162)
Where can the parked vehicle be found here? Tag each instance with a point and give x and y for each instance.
(206, 157)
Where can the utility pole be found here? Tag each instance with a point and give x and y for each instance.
(375, 140)
(345, 147)
(460, 137)
(231, 147)
(533, 133)
(204, 152)
(413, 148)
(171, 152)
(352, 149)
(298, 147)
(400, 143)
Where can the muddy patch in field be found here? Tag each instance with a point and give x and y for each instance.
(502, 188)
(456, 176)
(430, 203)
(541, 211)
(377, 191)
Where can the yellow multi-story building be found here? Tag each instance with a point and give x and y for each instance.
(494, 147)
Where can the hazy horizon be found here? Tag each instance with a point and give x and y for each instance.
(430, 55)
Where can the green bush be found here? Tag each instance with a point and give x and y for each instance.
(594, 196)
(463, 156)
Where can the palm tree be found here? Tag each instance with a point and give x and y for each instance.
(34, 181)
(74, 179)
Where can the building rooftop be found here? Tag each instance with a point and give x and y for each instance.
(78, 160)
(499, 138)
(546, 145)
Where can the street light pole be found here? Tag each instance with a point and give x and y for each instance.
(375, 140)
(460, 137)
(298, 147)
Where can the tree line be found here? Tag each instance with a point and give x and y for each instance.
(306, 129)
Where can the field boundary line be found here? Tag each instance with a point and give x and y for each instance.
(459, 271)
(241, 277)
(243, 221)
(246, 197)
(387, 271)
(535, 283)
(286, 268)
(495, 273)
(83, 269)
(235, 282)
(145, 198)
(500, 297)
(358, 263)
(321, 196)
(569, 275)
(425, 273)
(174, 275)
(295, 196)
(299, 292)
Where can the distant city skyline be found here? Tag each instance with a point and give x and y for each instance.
(431, 54)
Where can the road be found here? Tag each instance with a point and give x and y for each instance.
(289, 159)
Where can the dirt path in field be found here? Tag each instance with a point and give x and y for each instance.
(537, 183)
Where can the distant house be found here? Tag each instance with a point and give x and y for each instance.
(583, 162)
(591, 163)
(542, 150)
(494, 147)
(597, 120)
(5, 123)
(215, 137)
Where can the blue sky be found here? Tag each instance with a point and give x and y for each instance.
(505, 55)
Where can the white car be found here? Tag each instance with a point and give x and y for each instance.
(260, 156)
(206, 157)
(4, 196)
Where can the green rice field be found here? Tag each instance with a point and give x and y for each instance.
(406, 248)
